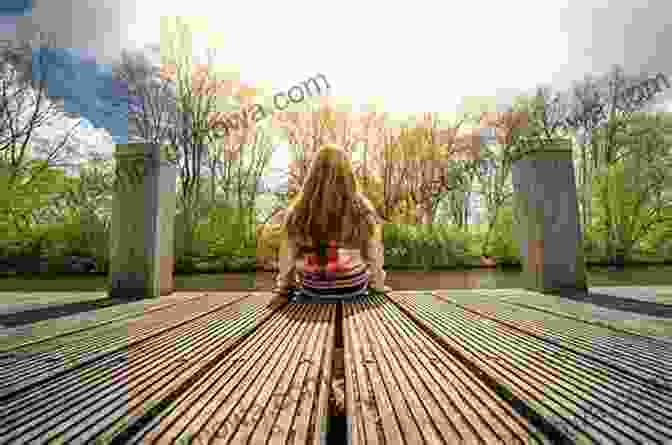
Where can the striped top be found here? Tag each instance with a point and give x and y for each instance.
(348, 271)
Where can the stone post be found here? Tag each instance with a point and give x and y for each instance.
(547, 219)
(141, 247)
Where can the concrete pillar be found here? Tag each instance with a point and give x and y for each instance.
(547, 219)
(142, 231)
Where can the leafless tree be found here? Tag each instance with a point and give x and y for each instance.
(26, 108)
(145, 97)
(29, 119)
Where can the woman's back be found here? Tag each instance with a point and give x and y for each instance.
(332, 243)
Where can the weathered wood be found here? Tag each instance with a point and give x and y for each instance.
(581, 399)
(402, 387)
(647, 359)
(36, 363)
(48, 330)
(101, 399)
(454, 367)
(271, 388)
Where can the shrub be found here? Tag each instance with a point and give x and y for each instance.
(503, 244)
(427, 246)
(269, 237)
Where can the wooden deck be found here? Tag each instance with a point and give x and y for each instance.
(442, 367)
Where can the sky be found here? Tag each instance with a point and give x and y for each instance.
(404, 58)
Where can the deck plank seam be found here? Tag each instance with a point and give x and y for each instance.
(440, 315)
(460, 377)
(141, 380)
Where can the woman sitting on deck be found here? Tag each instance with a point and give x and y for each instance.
(332, 244)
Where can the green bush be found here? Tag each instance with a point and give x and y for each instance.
(658, 242)
(425, 246)
(503, 244)
(223, 231)
(593, 244)
(88, 237)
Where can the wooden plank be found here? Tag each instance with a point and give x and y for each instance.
(437, 400)
(358, 394)
(48, 297)
(582, 399)
(647, 358)
(101, 399)
(25, 335)
(35, 363)
(254, 393)
(318, 386)
(628, 323)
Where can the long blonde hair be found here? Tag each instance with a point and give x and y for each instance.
(330, 205)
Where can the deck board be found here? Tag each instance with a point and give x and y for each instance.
(448, 366)
(403, 387)
(12, 338)
(630, 323)
(645, 358)
(589, 401)
(106, 395)
(273, 388)
(40, 361)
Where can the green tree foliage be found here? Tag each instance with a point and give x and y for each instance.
(25, 199)
(632, 198)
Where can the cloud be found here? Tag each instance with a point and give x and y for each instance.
(99, 27)
(83, 39)
(635, 35)
(87, 88)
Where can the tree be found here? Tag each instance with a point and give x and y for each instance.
(494, 169)
(380, 167)
(243, 156)
(149, 100)
(633, 198)
(198, 96)
(24, 196)
(307, 131)
(603, 108)
(584, 118)
(235, 158)
(432, 162)
(528, 124)
(29, 146)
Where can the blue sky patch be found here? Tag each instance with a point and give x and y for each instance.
(87, 88)
(16, 7)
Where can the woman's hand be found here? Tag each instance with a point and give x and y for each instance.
(279, 296)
